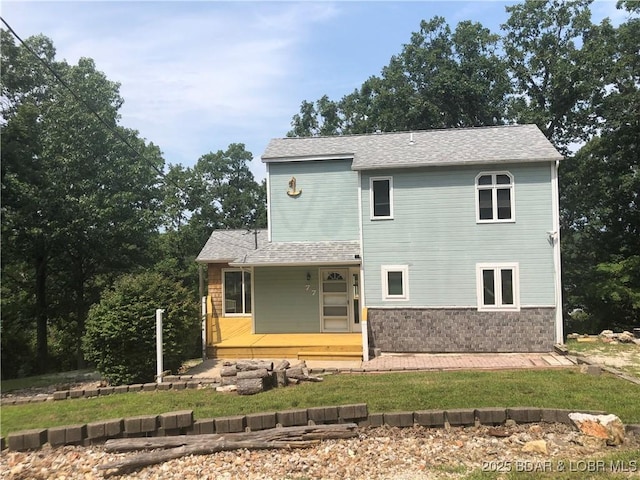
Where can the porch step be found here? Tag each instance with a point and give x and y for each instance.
(355, 355)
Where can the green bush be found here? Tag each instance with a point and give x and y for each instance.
(120, 333)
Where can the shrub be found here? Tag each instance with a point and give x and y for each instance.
(120, 333)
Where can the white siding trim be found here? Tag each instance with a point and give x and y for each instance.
(268, 182)
(363, 318)
(555, 237)
(253, 301)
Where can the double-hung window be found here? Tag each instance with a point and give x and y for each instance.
(395, 282)
(494, 197)
(381, 198)
(237, 292)
(498, 286)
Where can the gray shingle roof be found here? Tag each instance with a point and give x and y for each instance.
(227, 245)
(302, 253)
(454, 146)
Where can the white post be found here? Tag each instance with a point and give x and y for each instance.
(159, 369)
(204, 328)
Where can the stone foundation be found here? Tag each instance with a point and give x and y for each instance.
(461, 330)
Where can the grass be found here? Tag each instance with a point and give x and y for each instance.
(622, 356)
(561, 388)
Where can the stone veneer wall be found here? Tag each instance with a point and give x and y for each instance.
(467, 330)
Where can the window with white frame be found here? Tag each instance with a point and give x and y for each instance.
(494, 197)
(395, 282)
(498, 286)
(381, 197)
(237, 292)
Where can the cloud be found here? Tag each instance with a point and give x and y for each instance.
(186, 69)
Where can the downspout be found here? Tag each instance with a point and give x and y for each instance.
(364, 325)
(555, 237)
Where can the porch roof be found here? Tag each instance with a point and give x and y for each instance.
(227, 245)
(302, 253)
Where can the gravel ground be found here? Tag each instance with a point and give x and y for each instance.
(377, 453)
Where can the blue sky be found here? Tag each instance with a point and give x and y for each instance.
(198, 76)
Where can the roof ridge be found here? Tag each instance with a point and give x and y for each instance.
(400, 132)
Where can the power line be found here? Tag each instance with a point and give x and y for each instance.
(88, 107)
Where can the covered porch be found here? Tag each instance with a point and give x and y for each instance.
(232, 338)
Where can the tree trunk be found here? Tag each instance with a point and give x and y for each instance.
(228, 371)
(283, 365)
(254, 365)
(179, 446)
(281, 378)
(250, 386)
(298, 433)
(42, 347)
(261, 373)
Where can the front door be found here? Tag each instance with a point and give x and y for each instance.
(334, 297)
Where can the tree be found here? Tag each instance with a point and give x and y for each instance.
(440, 79)
(600, 185)
(555, 61)
(121, 329)
(219, 192)
(78, 203)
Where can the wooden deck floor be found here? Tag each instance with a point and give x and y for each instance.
(237, 341)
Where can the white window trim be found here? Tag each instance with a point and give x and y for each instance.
(224, 296)
(404, 269)
(494, 197)
(371, 203)
(496, 267)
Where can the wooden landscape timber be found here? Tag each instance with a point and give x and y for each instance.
(179, 446)
(255, 376)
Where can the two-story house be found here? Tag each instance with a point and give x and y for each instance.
(425, 241)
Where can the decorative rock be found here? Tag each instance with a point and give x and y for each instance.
(607, 427)
(535, 446)
(626, 337)
(226, 388)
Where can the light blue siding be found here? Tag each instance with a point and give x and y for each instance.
(434, 232)
(326, 210)
(283, 304)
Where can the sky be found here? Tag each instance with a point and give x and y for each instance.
(197, 76)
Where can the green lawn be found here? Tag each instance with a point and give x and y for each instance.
(555, 388)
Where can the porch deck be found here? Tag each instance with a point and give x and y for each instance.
(233, 339)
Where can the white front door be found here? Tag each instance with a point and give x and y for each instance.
(335, 299)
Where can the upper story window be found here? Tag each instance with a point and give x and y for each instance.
(494, 197)
(381, 198)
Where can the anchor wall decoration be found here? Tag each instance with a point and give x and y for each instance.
(292, 192)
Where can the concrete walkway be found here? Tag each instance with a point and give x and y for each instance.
(418, 362)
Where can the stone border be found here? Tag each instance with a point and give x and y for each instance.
(171, 383)
(593, 368)
(183, 423)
